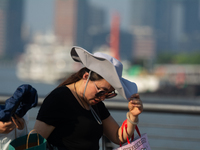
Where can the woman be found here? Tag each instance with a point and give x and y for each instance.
(73, 116)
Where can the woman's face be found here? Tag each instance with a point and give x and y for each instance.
(94, 87)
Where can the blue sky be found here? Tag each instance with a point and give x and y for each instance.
(39, 14)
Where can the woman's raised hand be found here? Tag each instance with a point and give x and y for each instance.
(135, 105)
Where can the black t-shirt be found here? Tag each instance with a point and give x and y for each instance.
(75, 127)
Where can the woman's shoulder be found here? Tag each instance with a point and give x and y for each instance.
(59, 93)
(60, 90)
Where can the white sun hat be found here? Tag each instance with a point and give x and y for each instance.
(106, 66)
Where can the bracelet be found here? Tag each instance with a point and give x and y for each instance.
(133, 123)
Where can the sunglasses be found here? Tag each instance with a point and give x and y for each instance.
(104, 93)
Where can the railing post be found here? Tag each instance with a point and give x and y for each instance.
(106, 143)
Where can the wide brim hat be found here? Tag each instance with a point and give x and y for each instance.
(106, 66)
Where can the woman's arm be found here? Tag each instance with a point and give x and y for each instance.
(43, 129)
(112, 130)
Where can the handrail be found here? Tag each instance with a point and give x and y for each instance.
(152, 105)
(158, 107)
(181, 107)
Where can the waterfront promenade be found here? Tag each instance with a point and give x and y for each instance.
(170, 125)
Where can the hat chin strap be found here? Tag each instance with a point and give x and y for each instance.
(92, 110)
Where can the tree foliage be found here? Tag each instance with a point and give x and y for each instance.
(181, 58)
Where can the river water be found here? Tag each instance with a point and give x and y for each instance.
(165, 131)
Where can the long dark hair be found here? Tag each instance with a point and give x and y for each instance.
(78, 76)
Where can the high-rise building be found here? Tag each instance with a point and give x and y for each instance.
(72, 22)
(77, 23)
(2, 28)
(66, 21)
(175, 24)
(191, 37)
(11, 17)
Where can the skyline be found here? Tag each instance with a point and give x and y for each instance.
(146, 27)
(39, 15)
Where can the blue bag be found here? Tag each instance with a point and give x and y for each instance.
(23, 99)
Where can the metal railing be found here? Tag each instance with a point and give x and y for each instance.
(173, 107)
(180, 107)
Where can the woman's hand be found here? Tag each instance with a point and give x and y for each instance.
(19, 122)
(135, 105)
(6, 127)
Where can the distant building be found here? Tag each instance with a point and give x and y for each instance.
(65, 21)
(75, 22)
(11, 17)
(144, 43)
(176, 24)
(45, 60)
(191, 37)
(79, 23)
